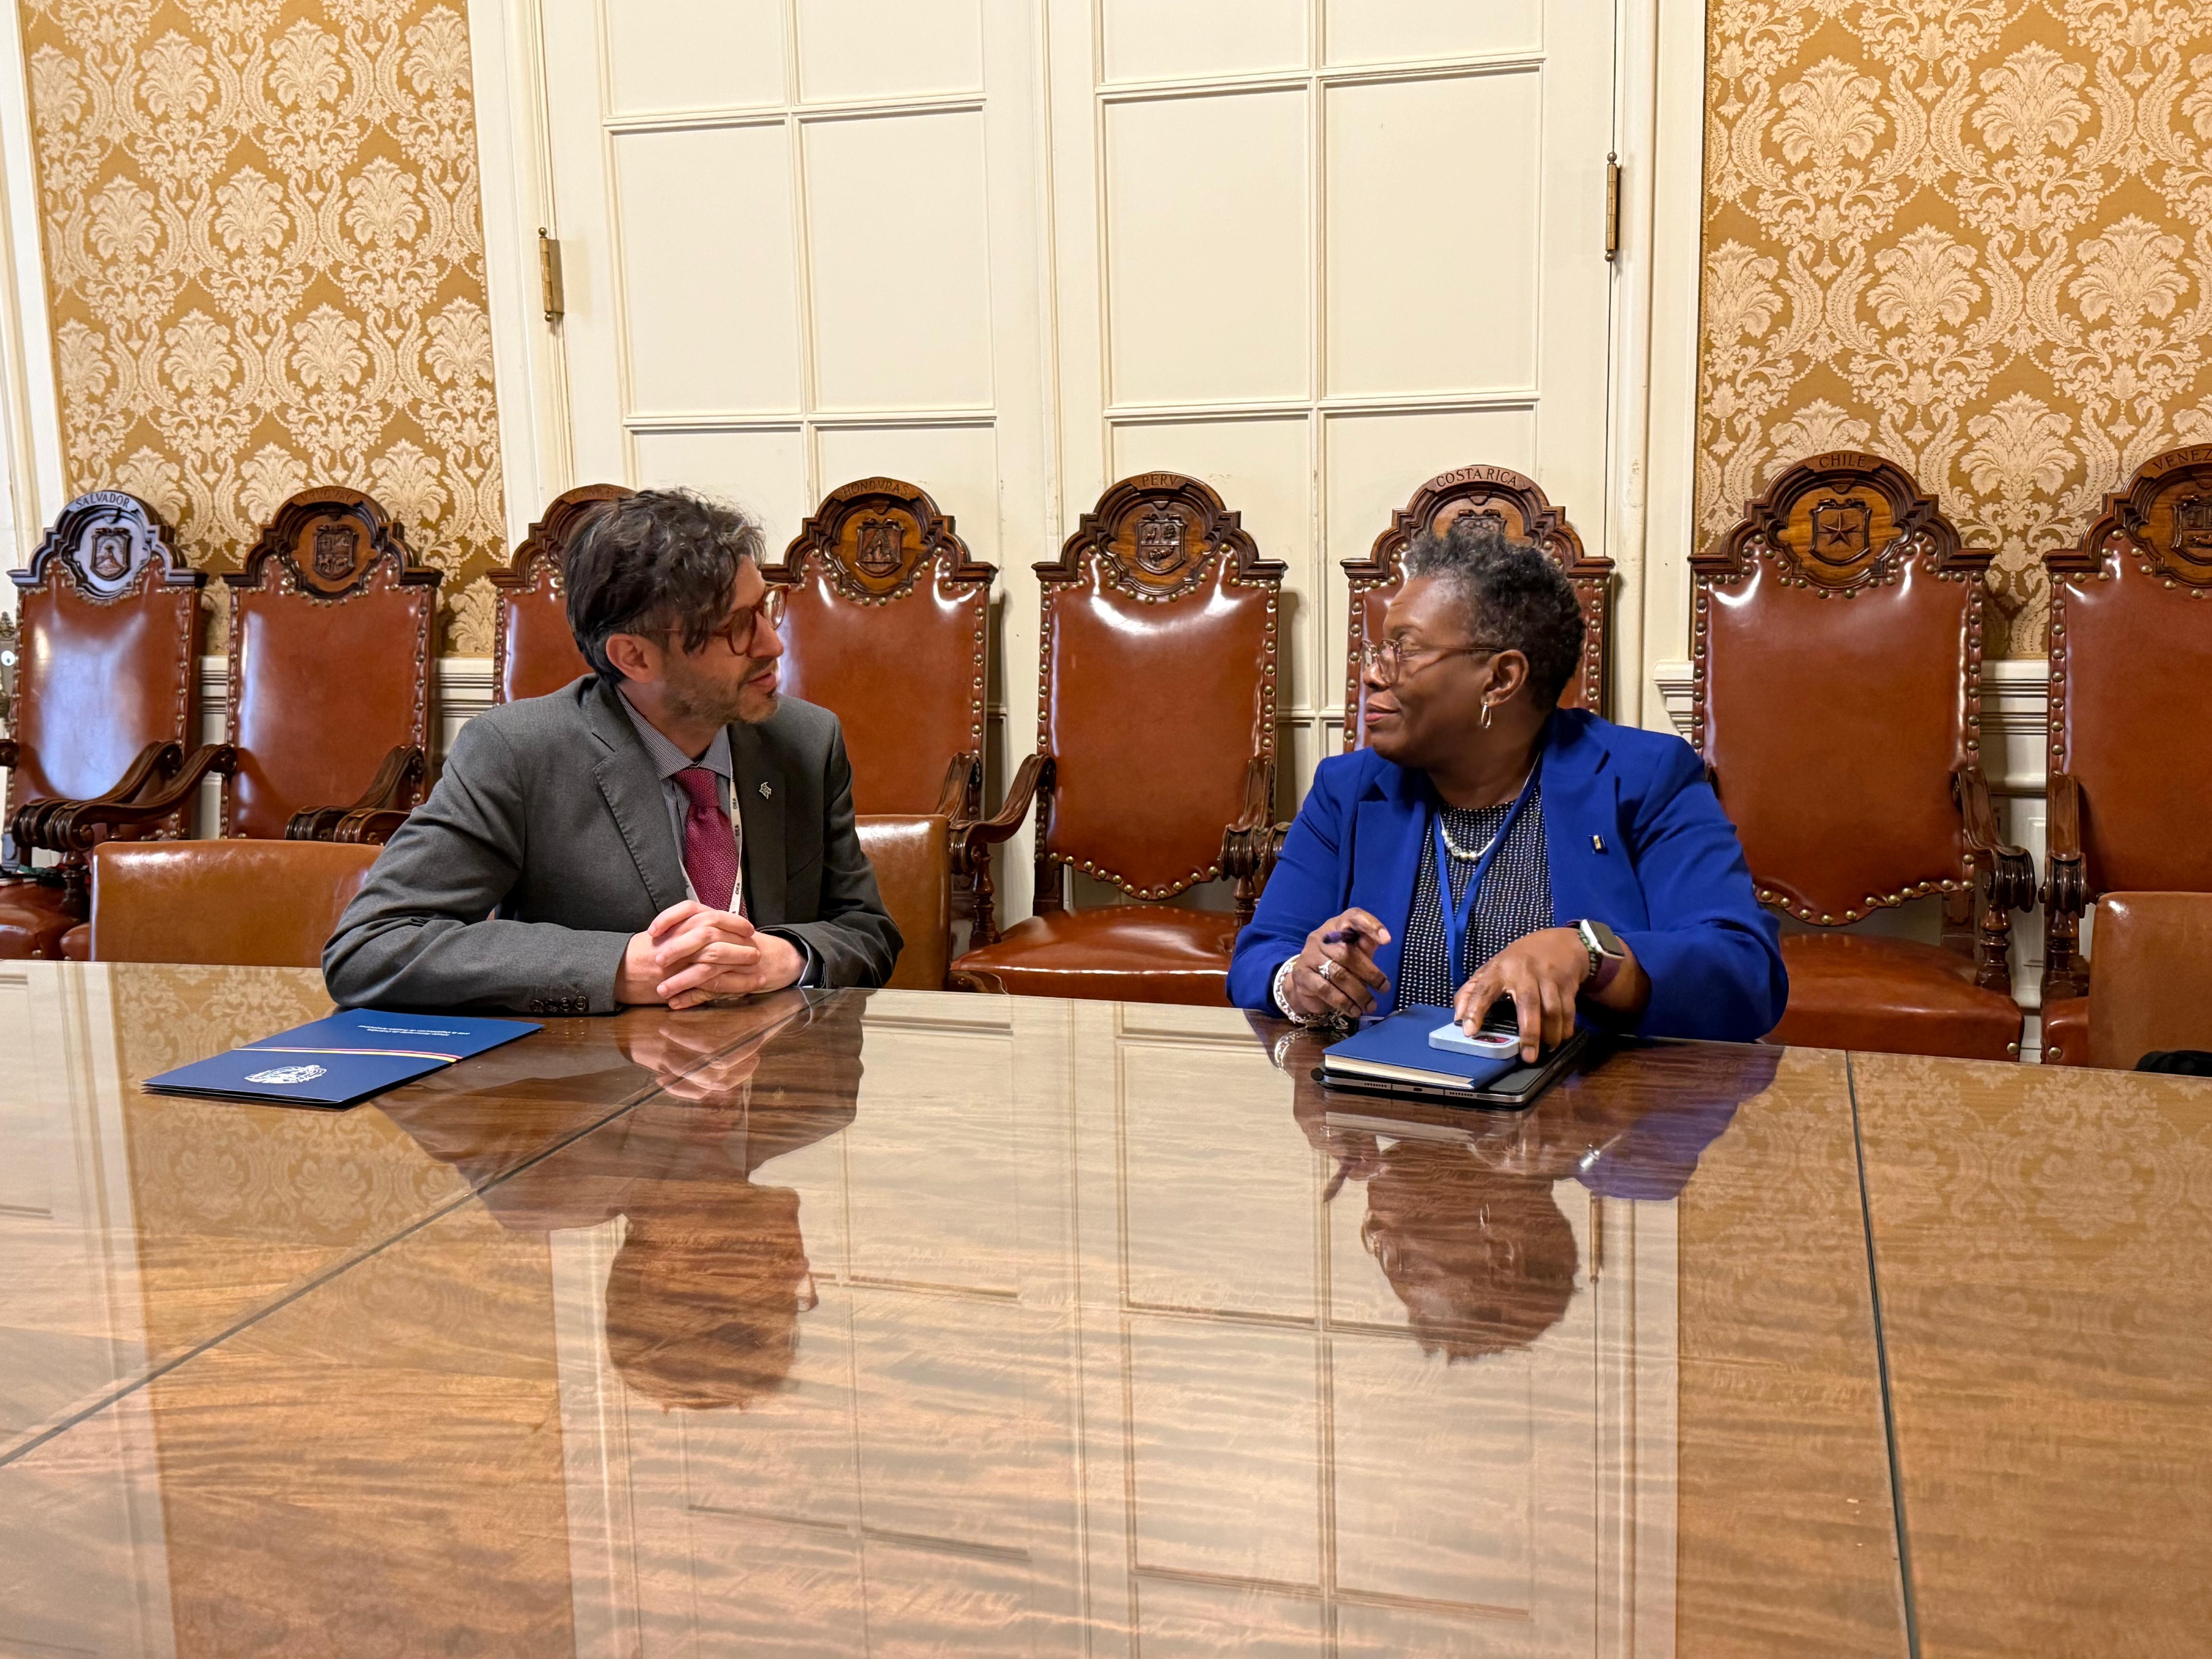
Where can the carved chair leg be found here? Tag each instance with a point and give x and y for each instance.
(1993, 967)
(77, 885)
(2063, 974)
(986, 928)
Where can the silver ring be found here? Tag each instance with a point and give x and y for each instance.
(1328, 968)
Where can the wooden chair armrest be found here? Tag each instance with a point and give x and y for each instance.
(2066, 883)
(405, 764)
(2007, 874)
(972, 840)
(370, 826)
(1259, 796)
(960, 792)
(157, 760)
(77, 826)
(1249, 846)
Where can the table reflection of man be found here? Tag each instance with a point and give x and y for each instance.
(705, 1292)
(1461, 1215)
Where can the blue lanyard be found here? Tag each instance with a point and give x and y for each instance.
(1457, 915)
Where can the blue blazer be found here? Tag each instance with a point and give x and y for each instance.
(1636, 839)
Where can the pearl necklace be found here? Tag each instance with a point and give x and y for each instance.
(1482, 852)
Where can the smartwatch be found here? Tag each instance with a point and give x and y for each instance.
(1607, 953)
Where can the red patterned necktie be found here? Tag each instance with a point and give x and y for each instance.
(710, 847)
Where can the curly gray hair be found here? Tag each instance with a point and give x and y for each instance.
(1514, 596)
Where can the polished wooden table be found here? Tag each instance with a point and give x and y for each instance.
(898, 1323)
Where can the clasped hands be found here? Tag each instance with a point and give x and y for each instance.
(1541, 973)
(691, 954)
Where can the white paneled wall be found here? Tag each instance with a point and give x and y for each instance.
(1315, 253)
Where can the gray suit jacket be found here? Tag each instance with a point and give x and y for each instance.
(549, 820)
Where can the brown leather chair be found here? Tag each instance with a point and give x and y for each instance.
(1155, 768)
(885, 620)
(1838, 650)
(913, 856)
(244, 903)
(2153, 961)
(106, 699)
(2131, 697)
(1521, 509)
(330, 625)
(534, 651)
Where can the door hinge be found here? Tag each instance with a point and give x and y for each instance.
(1612, 206)
(549, 274)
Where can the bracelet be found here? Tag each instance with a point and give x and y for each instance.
(1280, 990)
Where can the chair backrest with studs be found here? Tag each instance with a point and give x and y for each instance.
(1837, 641)
(108, 615)
(330, 640)
(2131, 678)
(1156, 685)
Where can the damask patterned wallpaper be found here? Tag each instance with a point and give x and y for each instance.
(265, 264)
(1972, 235)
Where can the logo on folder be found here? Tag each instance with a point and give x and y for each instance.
(287, 1074)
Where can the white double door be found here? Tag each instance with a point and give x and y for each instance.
(1312, 251)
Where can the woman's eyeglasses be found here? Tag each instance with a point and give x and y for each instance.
(1385, 664)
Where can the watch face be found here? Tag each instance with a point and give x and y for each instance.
(1607, 941)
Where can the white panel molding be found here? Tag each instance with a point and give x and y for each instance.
(1662, 231)
(775, 115)
(1333, 75)
(783, 420)
(1341, 403)
(528, 369)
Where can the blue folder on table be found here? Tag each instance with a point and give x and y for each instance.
(1395, 1056)
(341, 1061)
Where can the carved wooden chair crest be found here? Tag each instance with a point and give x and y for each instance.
(1156, 745)
(2130, 692)
(107, 698)
(534, 651)
(1837, 700)
(330, 625)
(1522, 511)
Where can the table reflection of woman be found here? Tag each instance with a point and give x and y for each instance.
(1461, 1214)
(705, 1292)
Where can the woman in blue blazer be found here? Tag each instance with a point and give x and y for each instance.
(1586, 868)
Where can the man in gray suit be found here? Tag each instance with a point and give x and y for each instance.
(579, 853)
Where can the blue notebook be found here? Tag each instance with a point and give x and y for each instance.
(1395, 1056)
(341, 1061)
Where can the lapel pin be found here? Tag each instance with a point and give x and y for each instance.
(1597, 843)
(766, 792)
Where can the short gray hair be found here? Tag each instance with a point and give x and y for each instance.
(1515, 597)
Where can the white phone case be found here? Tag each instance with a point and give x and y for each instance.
(1485, 1043)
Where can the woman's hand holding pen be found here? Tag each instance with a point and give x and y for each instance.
(1335, 977)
